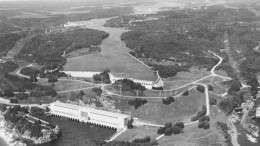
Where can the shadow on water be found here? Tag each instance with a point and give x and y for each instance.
(77, 133)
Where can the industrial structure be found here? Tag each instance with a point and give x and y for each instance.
(92, 115)
(148, 84)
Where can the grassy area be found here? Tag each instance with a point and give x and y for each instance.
(219, 90)
(83, 51)
(154, 111)
(221, 72)
(42, 100)
(193, 136)
(64, 85)
(151, 93)
(113, 56)
(183, 78)
(138, 132)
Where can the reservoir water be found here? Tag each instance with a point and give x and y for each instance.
(243, 138)
(2, 142)
(77, 133)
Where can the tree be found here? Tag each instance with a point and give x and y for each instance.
(161, 130)
(24, 110)
(137, 102)
(81, 93)
(212, 101)
(52, 79)
(51, 92)
(9, 93)
(130, 124)
(202, 119)
(168, 131)
(42, 74)
(176, 130)
(186, 93)
(200, 88)
(22, 96)
(97, 78)
(207, 118)
(98, 103)
(210, 87)
(180, 124)
(206, 125)
(13, 101)
(168, 125)
(3, 107)
(201, 124)
(1, 94)
(33, 78)
(168, 100)
(147, 139)
(235, 86)
(97, 91)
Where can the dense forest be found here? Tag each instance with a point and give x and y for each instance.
(8, 41)
(48, 49)
(182, 37)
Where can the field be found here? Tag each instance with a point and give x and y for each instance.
(151, 93)
(64, 85)
(183, 78)
(138, 132)
(113, 56)
(193, 136)
(154, 111)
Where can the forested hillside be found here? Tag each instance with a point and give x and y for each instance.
(48, 49)
(182, 37)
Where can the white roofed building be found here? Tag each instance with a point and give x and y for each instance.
(148, 84)
(91, 115)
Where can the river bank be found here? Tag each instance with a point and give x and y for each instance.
(8, 136)
(233, 130)
(241, 135)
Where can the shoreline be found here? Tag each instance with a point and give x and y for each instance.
(233, 130)
(7, 135)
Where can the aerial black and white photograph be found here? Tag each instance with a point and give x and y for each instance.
(129, 72)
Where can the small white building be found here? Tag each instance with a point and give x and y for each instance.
(90, 115)
(71, 25)
(148, 84)
(81, 74)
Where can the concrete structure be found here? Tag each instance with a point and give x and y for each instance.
(90, 115)
(148, 84)
(71, 25)
(257, 114)
(81, 74)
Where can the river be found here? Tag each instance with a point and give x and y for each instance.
(76, 133)
(2, 142)
(243, 139)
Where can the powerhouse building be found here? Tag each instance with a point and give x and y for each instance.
(90, 115)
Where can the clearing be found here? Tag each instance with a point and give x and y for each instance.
(66, 85)
(155, 112)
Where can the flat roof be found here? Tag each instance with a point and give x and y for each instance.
(92, 109)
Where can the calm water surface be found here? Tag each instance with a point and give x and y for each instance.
(76, 133)
(242, 138)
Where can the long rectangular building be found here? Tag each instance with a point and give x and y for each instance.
(90, 115)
